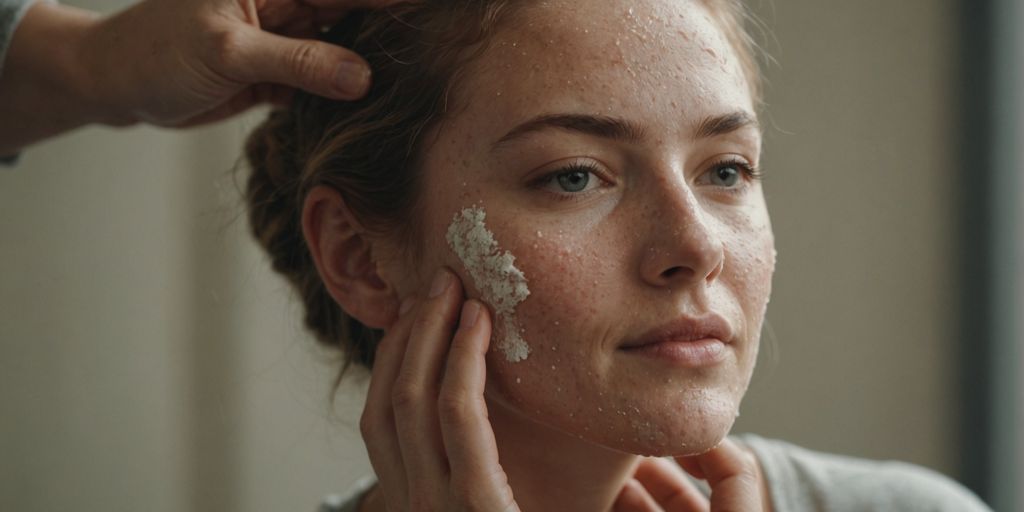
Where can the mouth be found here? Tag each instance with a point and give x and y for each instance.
(686, 341)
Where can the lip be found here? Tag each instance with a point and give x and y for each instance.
(688, 341)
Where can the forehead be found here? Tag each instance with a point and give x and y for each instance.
(662, 63)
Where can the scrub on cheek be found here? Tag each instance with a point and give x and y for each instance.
(494, 273)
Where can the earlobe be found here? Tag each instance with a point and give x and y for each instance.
(344, 258)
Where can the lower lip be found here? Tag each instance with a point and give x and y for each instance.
(705, 352)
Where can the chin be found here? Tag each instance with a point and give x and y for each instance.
(651, 438)
(690, 422)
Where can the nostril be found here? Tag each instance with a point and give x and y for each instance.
(674, 271)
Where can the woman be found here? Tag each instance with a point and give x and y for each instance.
(544, 232)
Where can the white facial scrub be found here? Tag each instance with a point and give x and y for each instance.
(501, 284)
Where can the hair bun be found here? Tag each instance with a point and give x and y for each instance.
(275, 213)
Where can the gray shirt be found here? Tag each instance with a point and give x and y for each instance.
(11, 12)
(802, 480)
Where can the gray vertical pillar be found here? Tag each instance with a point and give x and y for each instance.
(1005, 196)
(991, 64)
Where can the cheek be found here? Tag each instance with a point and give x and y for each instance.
(749, 267)
(747, 278)
(560, 320)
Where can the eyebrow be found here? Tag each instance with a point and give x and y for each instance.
(720, 125)
(620, 129)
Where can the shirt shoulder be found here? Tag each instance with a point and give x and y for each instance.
(802, 479)
(11, 12)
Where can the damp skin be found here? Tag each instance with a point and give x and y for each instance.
(600, 265)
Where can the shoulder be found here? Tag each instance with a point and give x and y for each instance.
(803, 479)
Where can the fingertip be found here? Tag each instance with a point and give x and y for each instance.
(692, 466)
(632, 498)
(313, 66)
(723, 461)
(470, 312)
(351, 80)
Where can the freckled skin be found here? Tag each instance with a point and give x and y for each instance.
(656, 241)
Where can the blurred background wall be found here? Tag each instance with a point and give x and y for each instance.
(149, 359)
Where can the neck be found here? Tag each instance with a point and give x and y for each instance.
(551, 470)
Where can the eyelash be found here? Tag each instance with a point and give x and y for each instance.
(752, 173)
(593, 170)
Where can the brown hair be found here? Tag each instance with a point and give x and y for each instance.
(369, 149)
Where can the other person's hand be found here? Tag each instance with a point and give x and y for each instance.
(173, 63)
(425, 422)
(186, 62)
(732, 473)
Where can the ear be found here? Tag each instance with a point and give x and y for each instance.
(344, 258)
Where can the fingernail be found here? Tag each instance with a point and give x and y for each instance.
(406, 306)
(470, 310)
(440, 284)
(352, 78)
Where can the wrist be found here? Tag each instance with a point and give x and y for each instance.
(48, 82)
(91, 80)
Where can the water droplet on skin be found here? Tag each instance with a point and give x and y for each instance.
(599, 409)
(552, 367)
(518, 380)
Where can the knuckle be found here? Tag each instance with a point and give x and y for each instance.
(367, 427)
(405, 397)
(455, 409)
(304, 59)
(224, 47)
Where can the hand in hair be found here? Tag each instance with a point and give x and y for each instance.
(733, 474)
(425, 423)
(173, 63)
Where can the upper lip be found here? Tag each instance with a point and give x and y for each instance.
(685, 328)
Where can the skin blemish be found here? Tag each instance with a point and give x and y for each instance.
(501, 284)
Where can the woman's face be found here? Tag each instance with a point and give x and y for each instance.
(609, 147)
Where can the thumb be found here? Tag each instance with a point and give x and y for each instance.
(317, 67)
(732, 474)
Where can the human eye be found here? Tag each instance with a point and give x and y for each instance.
(571, 181)
(732, 174)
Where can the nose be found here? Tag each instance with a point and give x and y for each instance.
(684, 247)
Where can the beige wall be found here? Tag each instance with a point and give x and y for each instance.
(860, 166)
(150, 361)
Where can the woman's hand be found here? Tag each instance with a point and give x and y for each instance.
(425, 422)
(733, 474)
